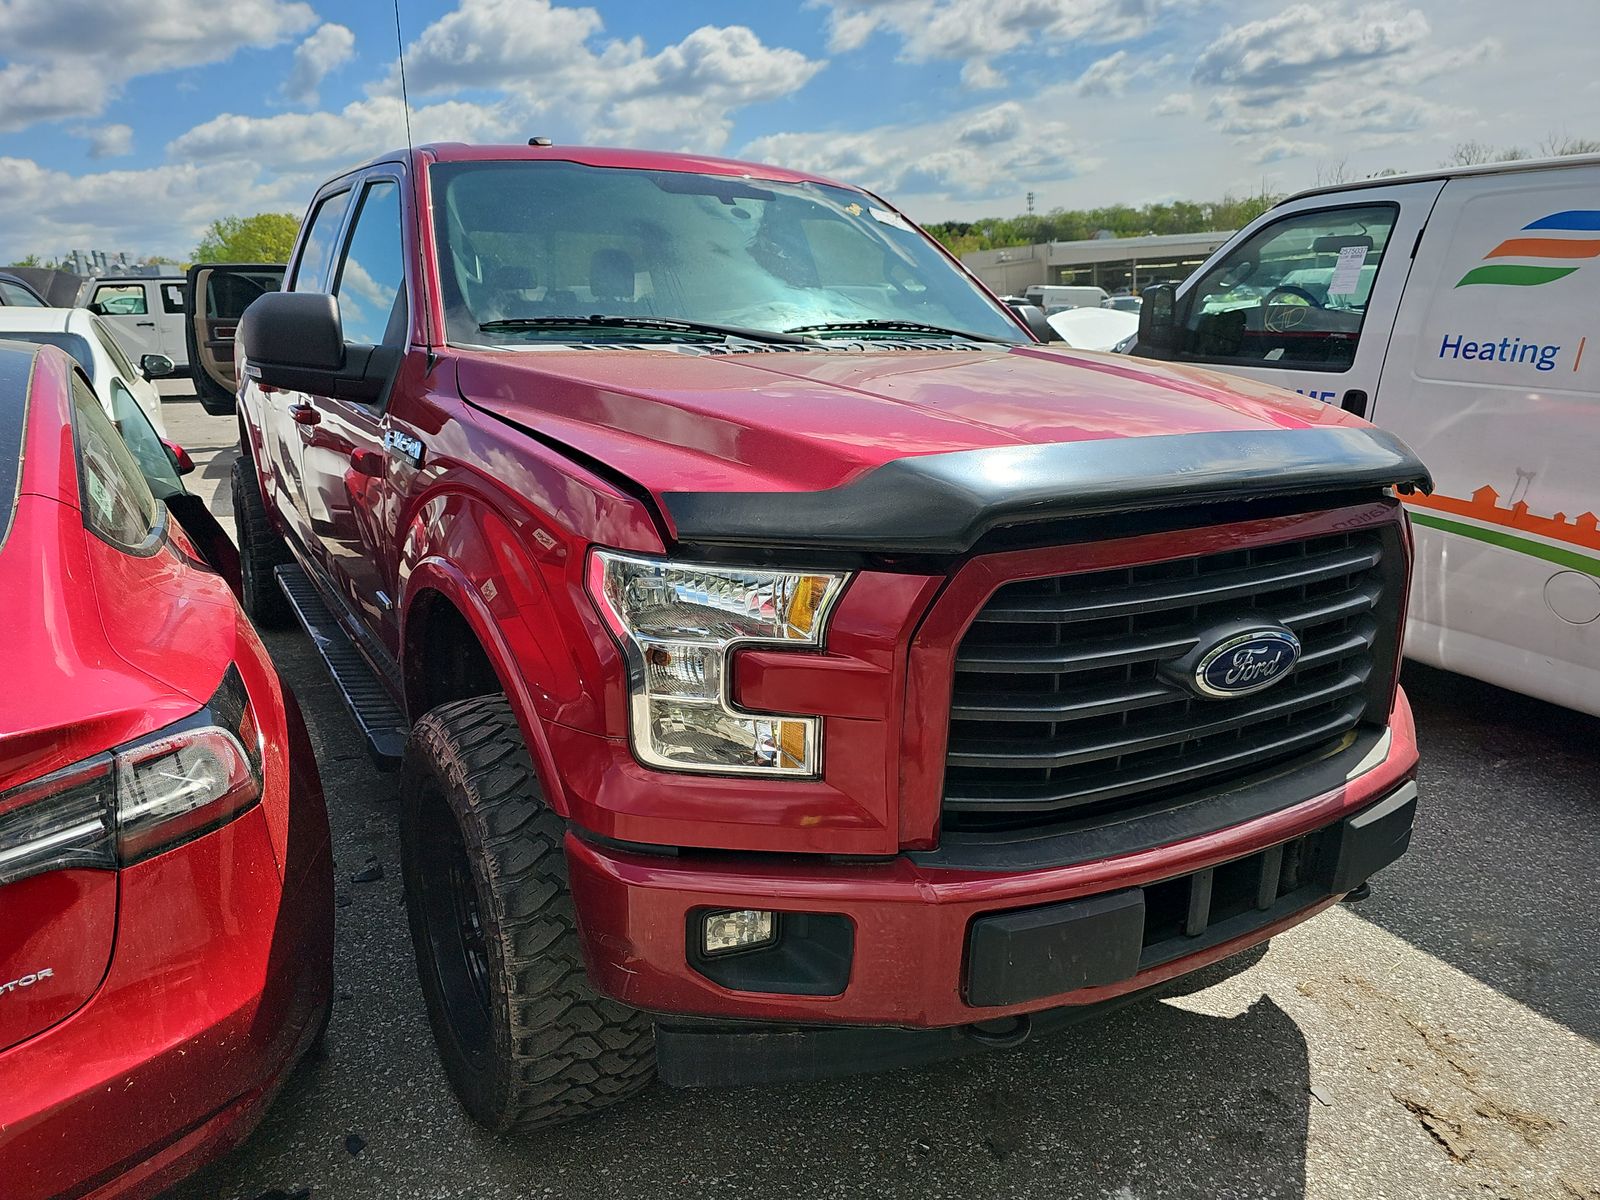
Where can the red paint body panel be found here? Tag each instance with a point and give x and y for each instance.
(910, 922)
(181, 988)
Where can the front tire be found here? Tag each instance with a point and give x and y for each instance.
(526, 1042)
(261, 550)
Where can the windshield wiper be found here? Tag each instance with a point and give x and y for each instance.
(667, 324)
(893, 326)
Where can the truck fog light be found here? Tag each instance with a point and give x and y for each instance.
(738, 929)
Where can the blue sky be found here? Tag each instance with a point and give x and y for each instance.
(130, 125)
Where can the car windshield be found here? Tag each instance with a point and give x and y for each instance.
(692, 257)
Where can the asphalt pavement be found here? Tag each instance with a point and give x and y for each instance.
(1437, 1040)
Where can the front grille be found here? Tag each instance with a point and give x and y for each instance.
(1060, 709)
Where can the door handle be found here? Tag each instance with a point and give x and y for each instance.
(1354, 401)
(145, 324)
(304, 414)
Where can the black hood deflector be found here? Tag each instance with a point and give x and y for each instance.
(944, 503)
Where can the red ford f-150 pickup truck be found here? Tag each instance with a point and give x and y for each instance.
(792, 666)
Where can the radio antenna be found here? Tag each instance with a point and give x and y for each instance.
(416, 191)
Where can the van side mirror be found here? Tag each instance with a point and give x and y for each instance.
(1158, 321)
(1033, 317)
(294, 341)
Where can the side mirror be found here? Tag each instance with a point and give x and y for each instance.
(156, 366)
(97, 308)
(294, 341)
(1033, 317)
(181, 462)
(1158, 321)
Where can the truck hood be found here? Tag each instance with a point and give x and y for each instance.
(727, 431)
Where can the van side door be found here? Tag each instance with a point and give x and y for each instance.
(1494, 379)
(1306, 296)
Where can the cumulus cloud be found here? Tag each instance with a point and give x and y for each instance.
(977, 155)
(966, 29)
(69, 58)
(324, 52)
(1290, 49)
(551, 61)
(107, 141)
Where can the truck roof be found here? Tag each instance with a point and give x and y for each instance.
(607, 156)
(1495, 168)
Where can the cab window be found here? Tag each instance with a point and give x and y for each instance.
(371, 277)
(120, 299)
(316, 252)
(118, 505)
(1294, 295)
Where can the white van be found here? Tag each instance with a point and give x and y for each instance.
(145, 311)
(1053, 296)
(1455, 309)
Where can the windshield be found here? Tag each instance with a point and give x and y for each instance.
(523, 242)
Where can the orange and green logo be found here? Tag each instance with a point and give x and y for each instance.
(1553, 257)
(1571, 542)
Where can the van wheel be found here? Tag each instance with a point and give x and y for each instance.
(260, 550)
(525, 1040)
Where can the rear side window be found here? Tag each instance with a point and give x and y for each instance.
(117, 504)
(108, 343)
(372, 277)
(172, 297)
(15, 293)
(72, 343)
(120, 299)
(316, 252)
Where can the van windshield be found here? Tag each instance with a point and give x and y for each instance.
(665, 256)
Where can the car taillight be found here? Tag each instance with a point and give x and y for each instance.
(112, 810)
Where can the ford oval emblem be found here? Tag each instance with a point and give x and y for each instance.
(1246, 662)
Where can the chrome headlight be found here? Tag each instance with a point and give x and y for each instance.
(679, 624)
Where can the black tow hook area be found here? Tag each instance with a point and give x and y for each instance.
(1001, 1034)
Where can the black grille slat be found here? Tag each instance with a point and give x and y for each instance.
(1061, 702)
(1275, 703)
(1199, 589)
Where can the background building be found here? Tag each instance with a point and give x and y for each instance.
(1116, 264)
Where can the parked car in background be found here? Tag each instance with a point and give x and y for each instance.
(14, 291)
(1455, 308)
(145, 311)
(216, 297)
(1093, 328)
(89, 340)
(792, 666)
(1055, 296)
(1127, 304)
(165, 878)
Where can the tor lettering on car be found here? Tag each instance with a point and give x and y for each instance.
(26, 981)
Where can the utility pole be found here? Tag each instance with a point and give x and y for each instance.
(1030, 204)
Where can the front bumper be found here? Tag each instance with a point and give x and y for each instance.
(934, 948)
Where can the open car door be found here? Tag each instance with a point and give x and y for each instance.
(217, 295)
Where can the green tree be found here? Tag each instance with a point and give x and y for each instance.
(264, 238)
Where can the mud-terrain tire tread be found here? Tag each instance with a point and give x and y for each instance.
(562, 1050)
(260, 550)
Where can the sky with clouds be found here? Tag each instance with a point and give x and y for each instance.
(131, 125)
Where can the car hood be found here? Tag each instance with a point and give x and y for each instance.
(808, 421)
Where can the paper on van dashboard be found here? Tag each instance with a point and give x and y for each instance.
(1347, 272)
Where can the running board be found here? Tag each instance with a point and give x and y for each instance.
(379, 718)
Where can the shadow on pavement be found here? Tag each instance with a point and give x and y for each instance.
(1500, 880)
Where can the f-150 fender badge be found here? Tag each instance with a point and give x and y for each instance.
(404, 446)
(26, 981)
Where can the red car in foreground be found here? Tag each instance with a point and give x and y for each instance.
(166, 908)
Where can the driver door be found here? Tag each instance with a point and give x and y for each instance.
(1306, 297)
